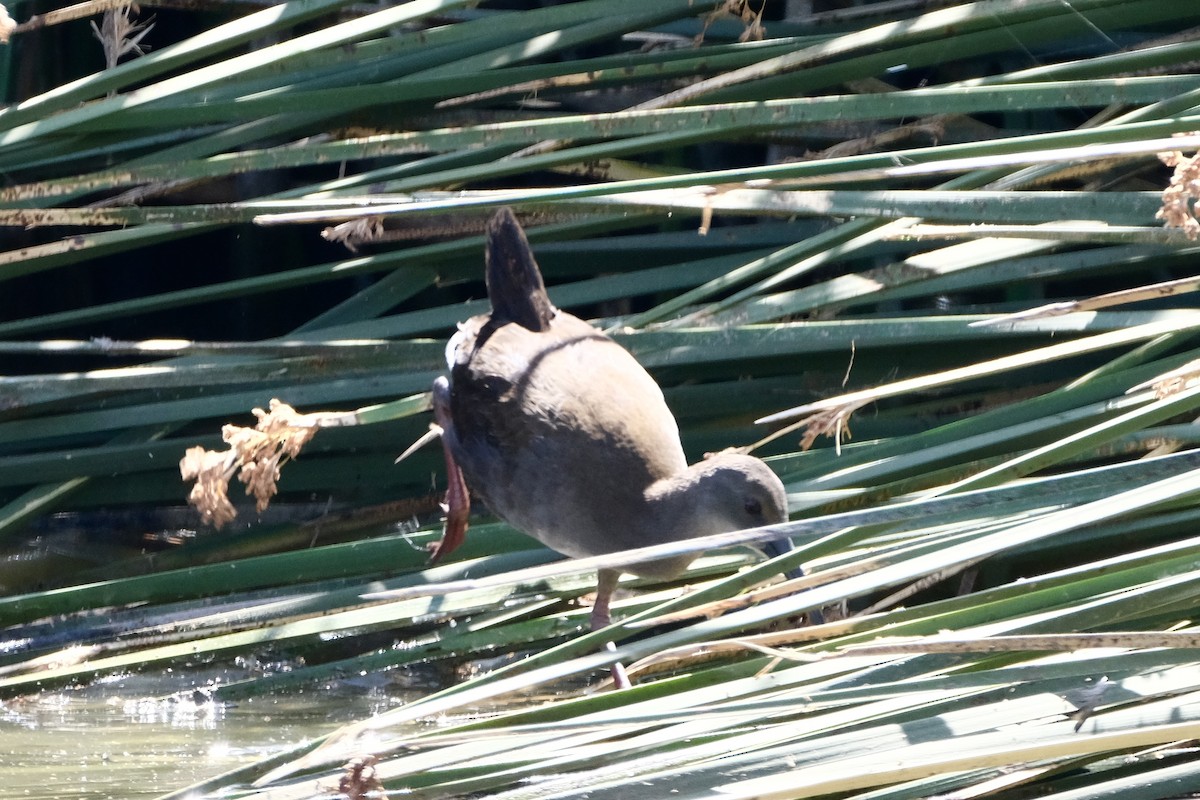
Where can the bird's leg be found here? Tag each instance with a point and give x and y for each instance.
(619, 676)
(606, 584)
(458, 499)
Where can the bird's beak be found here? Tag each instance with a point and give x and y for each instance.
(777, 547)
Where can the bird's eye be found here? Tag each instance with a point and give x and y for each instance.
(753, 507)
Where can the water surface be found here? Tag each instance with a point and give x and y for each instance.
(136, 737)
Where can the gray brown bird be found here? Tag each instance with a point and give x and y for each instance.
(563, 435)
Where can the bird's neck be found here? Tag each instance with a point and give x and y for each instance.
(677, 505)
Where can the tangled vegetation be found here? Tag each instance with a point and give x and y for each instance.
(967, 233)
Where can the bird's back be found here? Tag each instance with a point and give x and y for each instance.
(560, 432)
(557, 428)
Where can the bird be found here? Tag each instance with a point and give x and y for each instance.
(562, 434)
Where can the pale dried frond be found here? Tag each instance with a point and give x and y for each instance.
(740, 10)
(256, 454)
(834, 423)
(360, 781)
(355, 232)
(1172, 382)
(688, 656)
(121, 34)
(211, 470)
(7, 25)
(1179, 198)
(1151, 291)
(377, 230)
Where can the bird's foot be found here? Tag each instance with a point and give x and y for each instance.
(619, 675)
(606, 584)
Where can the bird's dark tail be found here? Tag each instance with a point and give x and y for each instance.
(514, 282)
